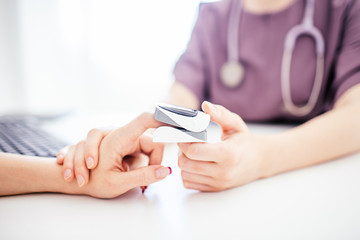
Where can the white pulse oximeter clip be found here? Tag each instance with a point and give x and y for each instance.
(188, 125)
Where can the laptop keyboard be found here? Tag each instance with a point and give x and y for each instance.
(22, 135)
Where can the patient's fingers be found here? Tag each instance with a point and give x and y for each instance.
(92, 145)
(60, 158)
(143, 176)
(68, 165)
(153, 150)
(134, 129)
(81, 172)
(61, 155)
(135, 161)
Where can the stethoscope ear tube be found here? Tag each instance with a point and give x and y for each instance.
(305, 28)
(233, 71)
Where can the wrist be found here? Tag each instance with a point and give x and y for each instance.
(51, 179)
(27, 174)
(269, 152)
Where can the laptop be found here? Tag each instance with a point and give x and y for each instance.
(22, 134)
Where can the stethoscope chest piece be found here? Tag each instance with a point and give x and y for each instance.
(232, 74)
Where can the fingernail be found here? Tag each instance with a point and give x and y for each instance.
(89, 162)
(60, 156)
(80, 180)
(211, 106)
(163, 172)
(67, 173)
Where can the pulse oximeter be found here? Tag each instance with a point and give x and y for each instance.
(189, 125)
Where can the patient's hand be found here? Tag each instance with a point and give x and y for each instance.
(119, 155)
(78, 166)
(91, 151)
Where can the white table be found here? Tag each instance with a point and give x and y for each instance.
(320, 202)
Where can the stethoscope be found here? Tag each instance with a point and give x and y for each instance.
(233, 71)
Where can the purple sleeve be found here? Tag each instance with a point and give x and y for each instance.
(190, 69)
(347, 69)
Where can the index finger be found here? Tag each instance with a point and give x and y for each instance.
(212, 152)
(134, 129)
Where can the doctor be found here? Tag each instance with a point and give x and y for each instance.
(264, 61)
(269, 60)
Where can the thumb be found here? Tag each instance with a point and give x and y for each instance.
(228, 120)
(146, 175)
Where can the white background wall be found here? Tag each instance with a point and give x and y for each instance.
(61, 55)
(10, 72)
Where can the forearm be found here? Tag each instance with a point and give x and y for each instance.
(27, 174)
(326, 137)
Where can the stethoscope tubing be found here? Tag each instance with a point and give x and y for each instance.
(306, 27)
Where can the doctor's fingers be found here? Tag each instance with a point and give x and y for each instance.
(68, 165)
(198, 186)
(81, 172)
(197, 178)
(153, 150)
(197, 167)
(229, 121)
(203, 183)
(92, 146)
(215, 152)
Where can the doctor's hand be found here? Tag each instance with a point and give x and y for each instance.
(234, 161)
(121, 156)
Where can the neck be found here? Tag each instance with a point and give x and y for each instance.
(266, 6)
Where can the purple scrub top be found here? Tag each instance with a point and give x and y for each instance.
(261, 45)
